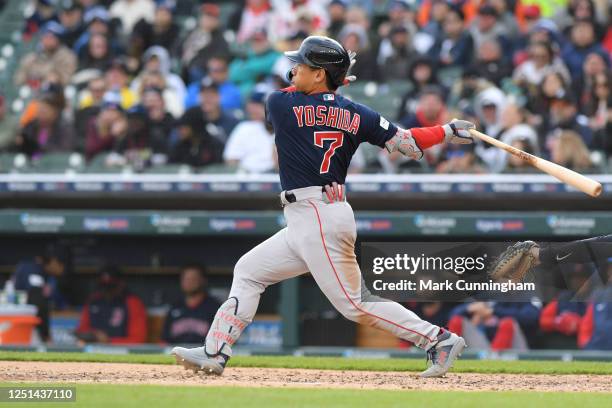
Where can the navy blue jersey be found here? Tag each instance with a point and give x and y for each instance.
(316, 135)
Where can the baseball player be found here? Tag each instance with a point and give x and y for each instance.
(317, 132)
(518, 259)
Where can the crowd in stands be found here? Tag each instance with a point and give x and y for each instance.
(535, 74)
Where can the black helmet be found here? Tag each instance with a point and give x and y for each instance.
(325, 53)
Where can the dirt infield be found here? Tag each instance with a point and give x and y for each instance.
(115, 373)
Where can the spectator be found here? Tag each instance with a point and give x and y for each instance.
(8, 124)
(251, 145)
(220, 123)
(157, 60)
(294, 15)
(71, 18)
(149, 128)
(553, 86)
(599, 110)
(568, 150)
(488, 106)
(541, 61)
(515, 164)
(218, 73)
(399, 13)
(463, 92)
(395, 55)
(496, 325)
(337, 17)
(112, 314)
(438, 12)
(105, 130)
(48, 132)
(507, 19)
(421, 74)
(562, 315)
(97, 55)
(460, 159)
(564, 115)
(491, 63)
(194, 144)
(454, 46)
(582, 43)
(355, 38)
(258, 63)
(430, 111)
(51, 54)
(595, 326)
(594, 64)
(44, 12)
(130, 12)
(204, 42)
(47, 280)
(255, 16)
(163, 31)
(96, 88)
(188, 321)
(486, 26)
(117, 80)
(515, 132)
(155, 79)
(98, 21)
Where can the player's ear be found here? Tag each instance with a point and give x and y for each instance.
(320, 76)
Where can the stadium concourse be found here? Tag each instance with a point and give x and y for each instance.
(136, 162)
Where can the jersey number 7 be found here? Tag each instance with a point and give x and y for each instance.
(337, 139)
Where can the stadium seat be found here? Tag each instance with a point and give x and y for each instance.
(59, 163)
(12, 162)
(101, 164)
(219, 169)
(169, 169)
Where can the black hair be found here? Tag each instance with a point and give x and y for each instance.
(200, 268)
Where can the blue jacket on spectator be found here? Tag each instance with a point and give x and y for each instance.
(229, 93)
(574, 57)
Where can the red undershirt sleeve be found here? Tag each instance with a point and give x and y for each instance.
(426, 137)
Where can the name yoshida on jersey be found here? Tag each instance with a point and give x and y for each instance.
(316, 135)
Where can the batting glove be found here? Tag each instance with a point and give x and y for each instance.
(458, 132)
(404, 143)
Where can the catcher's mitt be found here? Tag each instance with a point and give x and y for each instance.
(514, 262)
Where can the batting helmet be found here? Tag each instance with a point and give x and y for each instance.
(325, 53)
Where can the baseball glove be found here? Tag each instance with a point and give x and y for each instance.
(514, 263)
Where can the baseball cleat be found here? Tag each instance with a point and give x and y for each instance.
(443, 354)
(196, 359)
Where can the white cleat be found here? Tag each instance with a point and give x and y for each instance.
(196, 359)
(443, 355)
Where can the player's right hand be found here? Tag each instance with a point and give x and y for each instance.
(458, 132)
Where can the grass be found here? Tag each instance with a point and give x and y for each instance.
(333, 363)
(136, 396)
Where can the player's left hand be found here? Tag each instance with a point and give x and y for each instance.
(458, 132)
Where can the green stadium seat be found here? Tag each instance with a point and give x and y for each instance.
(99, 165)
(59, 162)
(219, 169)
(169, 169)
(12, 162)
(383, 98)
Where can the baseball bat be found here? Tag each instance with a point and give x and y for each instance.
(576, 180)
